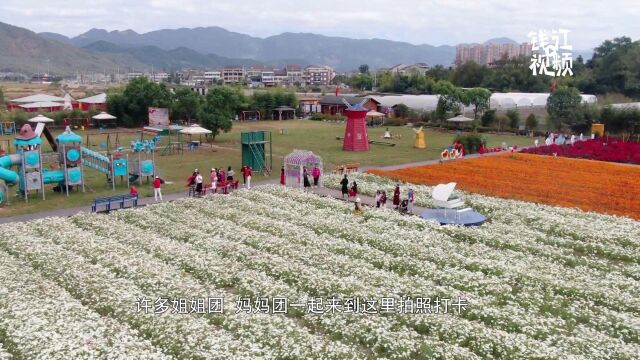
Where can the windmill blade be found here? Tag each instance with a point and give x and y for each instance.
(346, 103)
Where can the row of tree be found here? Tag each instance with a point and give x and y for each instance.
(566, 111)
(215, 111)
(614, 68)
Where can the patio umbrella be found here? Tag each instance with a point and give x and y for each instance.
(460, 119)
(104, 116)
(41, 119)
(374, 113)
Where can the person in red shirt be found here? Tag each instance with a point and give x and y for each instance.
(157, 193)
(133, 191)
(246, 173)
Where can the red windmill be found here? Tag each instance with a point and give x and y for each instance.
(355, 134)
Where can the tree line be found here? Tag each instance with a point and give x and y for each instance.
(214, 111)
(613, 68)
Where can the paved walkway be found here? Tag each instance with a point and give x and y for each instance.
(365, 200)
(174, 196)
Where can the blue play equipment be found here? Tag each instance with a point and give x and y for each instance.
(7, 128)
(72, 158)
(144, 164)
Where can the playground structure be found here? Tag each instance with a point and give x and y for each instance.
(144, 164)
(7, 128)
(355, 134)
(31, 176)
(256, 150)
(296, 162)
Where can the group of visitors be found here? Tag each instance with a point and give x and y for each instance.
(349, 191)
(561, 139)
(380, 198)
(306, 181)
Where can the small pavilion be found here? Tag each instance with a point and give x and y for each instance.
(296, 162)
(284, 113)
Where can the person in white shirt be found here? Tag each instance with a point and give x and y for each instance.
(198, 183)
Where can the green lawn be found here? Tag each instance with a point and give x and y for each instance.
(319, 137)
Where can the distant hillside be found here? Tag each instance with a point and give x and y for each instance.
(501, 40)
(25, 51)
(162, 59)
(339, 52)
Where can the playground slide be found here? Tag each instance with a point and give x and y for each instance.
(10, 177)
(7, 175)
(41, 129)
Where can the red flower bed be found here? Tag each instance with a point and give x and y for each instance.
(602, 149)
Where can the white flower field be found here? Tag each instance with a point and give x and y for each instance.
(538, 282)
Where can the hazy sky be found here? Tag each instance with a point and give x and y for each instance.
(432, 22)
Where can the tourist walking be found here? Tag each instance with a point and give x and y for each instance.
(213, 175)
(378, 198)
(246, 174)
(354, 189)
(157, 184)
(191, 180)
(282, 179)
(344, 185)
(198, 183)
(396, 196)
(305, 179)
(315, 173)
(383, 200)
(411, 196)
(133, 191)
(230, 173)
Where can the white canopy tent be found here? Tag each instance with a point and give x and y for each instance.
(460, 119)
(103, 116)
(195, 129)
(41, 119)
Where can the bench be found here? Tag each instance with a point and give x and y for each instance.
(114, 202)
(346, 168)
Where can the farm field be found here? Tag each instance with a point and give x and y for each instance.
(316, 136)
(586, 184)
(538, 281)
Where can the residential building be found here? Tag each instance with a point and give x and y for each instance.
(233, 74)
(159, 77)
(405, 69)
(487, 54)
(280, 76)
(295, 75)
(212, 77)
(267, 78)
(133, 75)
(334, 105)
(254, 72)
(318, 75)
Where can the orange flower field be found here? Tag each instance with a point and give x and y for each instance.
(588, 185)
